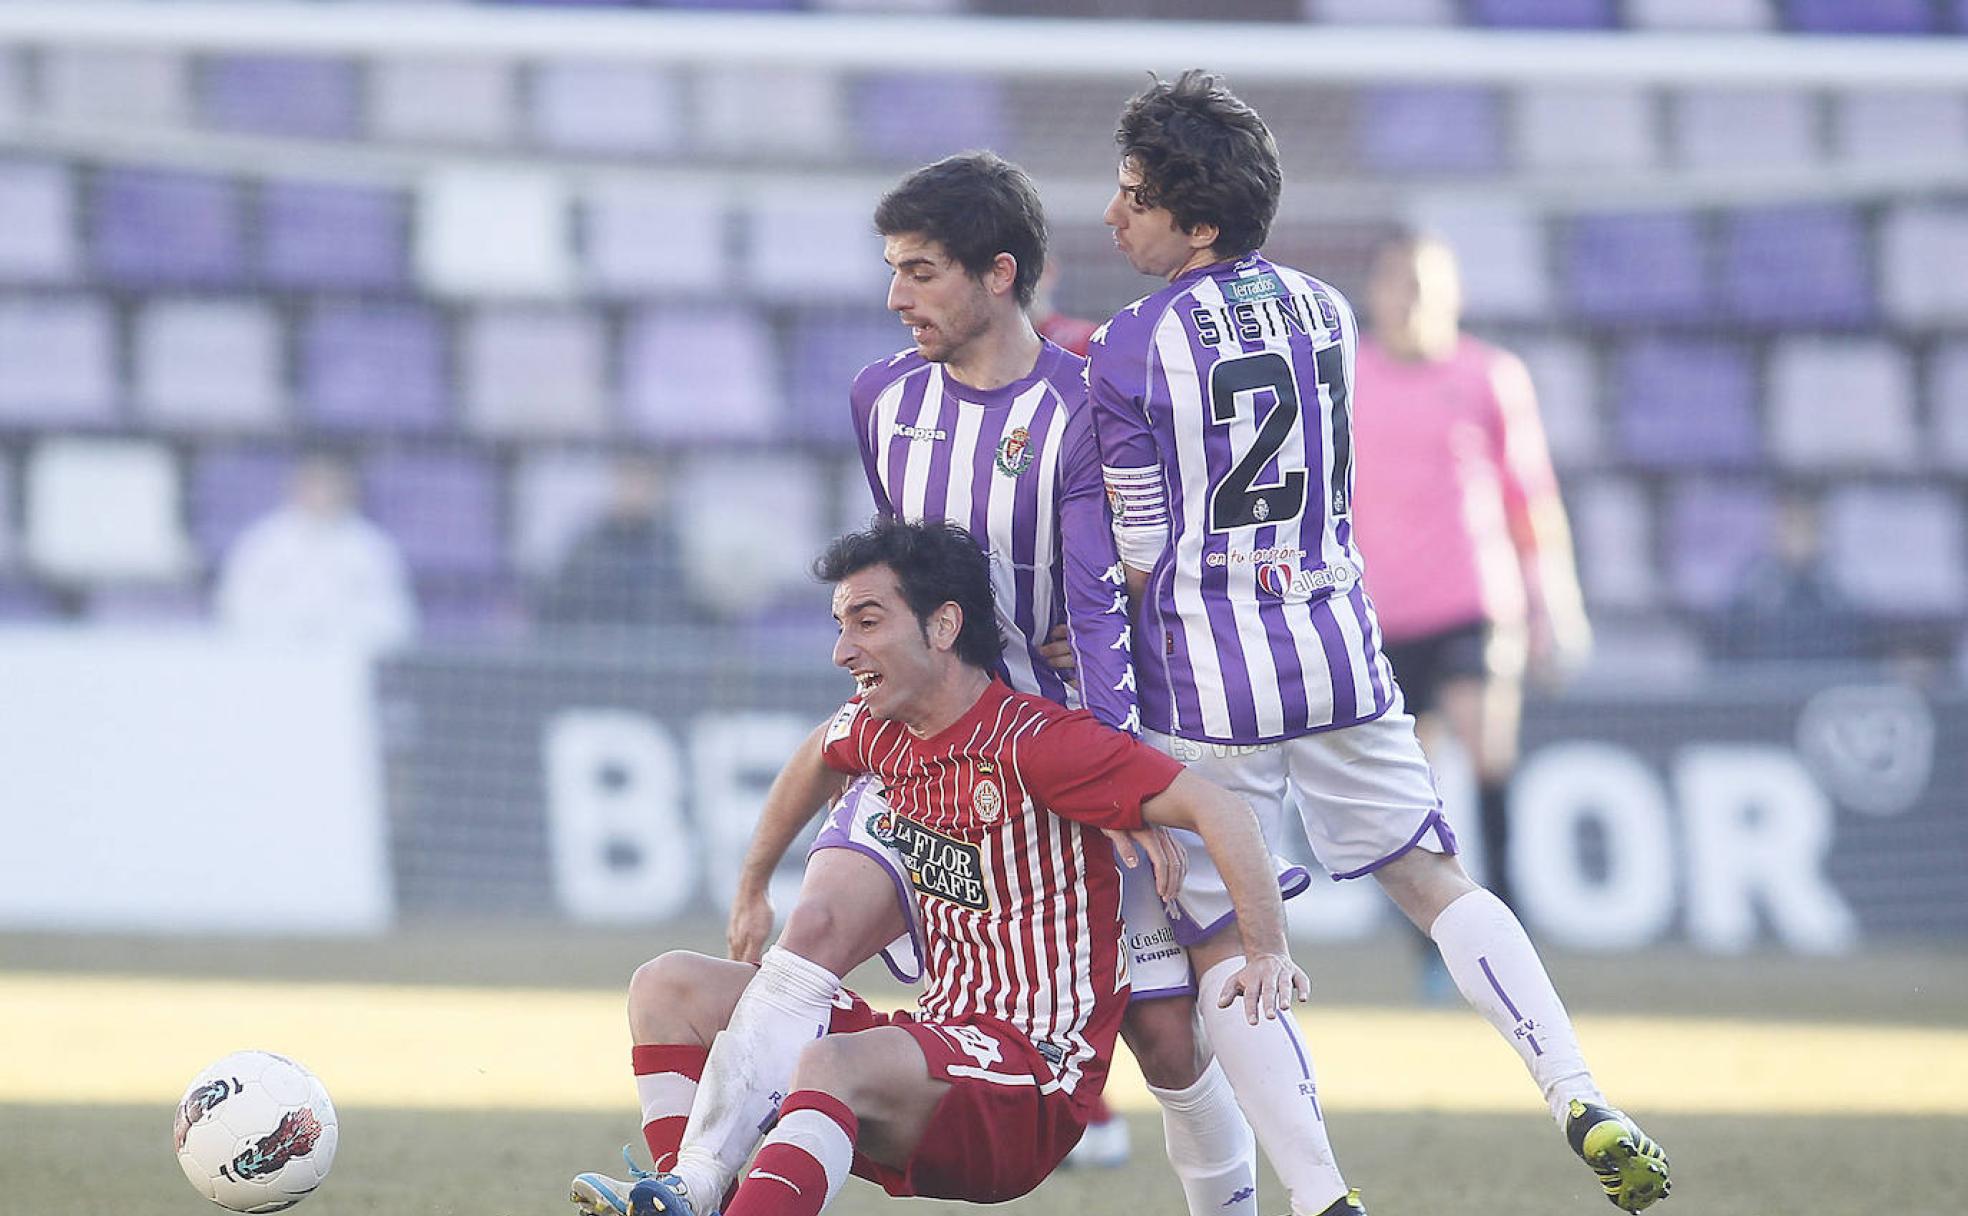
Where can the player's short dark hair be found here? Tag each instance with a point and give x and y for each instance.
(976, 205)
(935, 562)
(1206, 156)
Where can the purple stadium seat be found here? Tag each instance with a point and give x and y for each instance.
(442, 508)
(1638, 267)
(1911, 537)
(805, 250)
(1900, 126)
(619, 257)
(1586, 126)
(209, 363)
(827, 349)
(700, 373)
(920, 117)
(1921, 252)
(37, 223)
(1796, 266)
(332, 236)
(1567, 382)
(1860, 16)
(24, 603)
(9, 544)
(1428, 128)
(443, 100)
(282, 95)
(1615, 526)
(128, 86)
(57, 362)
(373, 367)
(167, 229)
(1736, 128)
(228, 490)
(1717, 529)
(1504, 253)
(534, 371)
(1381, 12)
(145, 607)
(1699, 14)
(1947, 396)
(1686, 404)
(469, 610)
(555, 493)
(1842, 403)
(607, 107)
(1545, 14)
(735, 5)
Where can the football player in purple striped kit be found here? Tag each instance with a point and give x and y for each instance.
(1223, 403)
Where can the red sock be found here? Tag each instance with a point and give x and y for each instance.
(803, 1163)
(666, 1082)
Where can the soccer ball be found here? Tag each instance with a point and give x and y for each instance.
(255, 1132)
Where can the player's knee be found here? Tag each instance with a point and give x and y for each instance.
(810, 926)
(1162, 1036)
(826, 1064)
(665, 994)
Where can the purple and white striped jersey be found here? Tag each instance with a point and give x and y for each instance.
(1222, 403)
(1018, 466)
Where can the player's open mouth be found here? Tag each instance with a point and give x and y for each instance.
(865, 681)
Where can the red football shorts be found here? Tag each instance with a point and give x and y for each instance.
(999, 1131)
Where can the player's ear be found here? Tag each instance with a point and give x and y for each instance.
(1003, 275)
(945, 623)
(1203, 236)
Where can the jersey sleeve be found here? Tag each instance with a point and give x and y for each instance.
(1130, 462)
(844, 745)
(1081, 770)
(1095, 585)
(861, 414)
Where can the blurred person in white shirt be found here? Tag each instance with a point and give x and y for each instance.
(314, 570)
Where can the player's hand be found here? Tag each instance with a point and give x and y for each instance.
(750, 925)
(1058, 651)
(1267, 983)
(1169, 859)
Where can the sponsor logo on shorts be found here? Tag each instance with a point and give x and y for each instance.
(1189, 751)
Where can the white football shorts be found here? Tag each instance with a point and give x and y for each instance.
(1365, 795)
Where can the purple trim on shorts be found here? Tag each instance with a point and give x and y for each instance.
(1444, 835)
(1292, 880)
(1483, 960)
(835, 835)
(1156, 994)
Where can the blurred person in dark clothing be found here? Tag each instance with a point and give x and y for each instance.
(625, 569)
(1785, 605)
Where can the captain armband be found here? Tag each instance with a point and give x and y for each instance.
(1140, 509)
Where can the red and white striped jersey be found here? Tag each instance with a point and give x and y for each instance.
(1018, 895)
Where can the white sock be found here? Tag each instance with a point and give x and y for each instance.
(750, 1070)
(1271, 1072)
(1210, 1146)
(1498, 971)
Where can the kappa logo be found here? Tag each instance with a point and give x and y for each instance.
(1015, 452)
(921, 434)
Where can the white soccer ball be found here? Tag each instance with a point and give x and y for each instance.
(255, 1132)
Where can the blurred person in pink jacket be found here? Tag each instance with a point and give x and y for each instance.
(1456, 511)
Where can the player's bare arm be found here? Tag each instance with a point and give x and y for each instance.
(804, 785)
(1269, 981)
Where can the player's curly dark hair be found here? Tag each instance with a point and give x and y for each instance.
(1206, 156)
(935, 562)
(976, 205)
